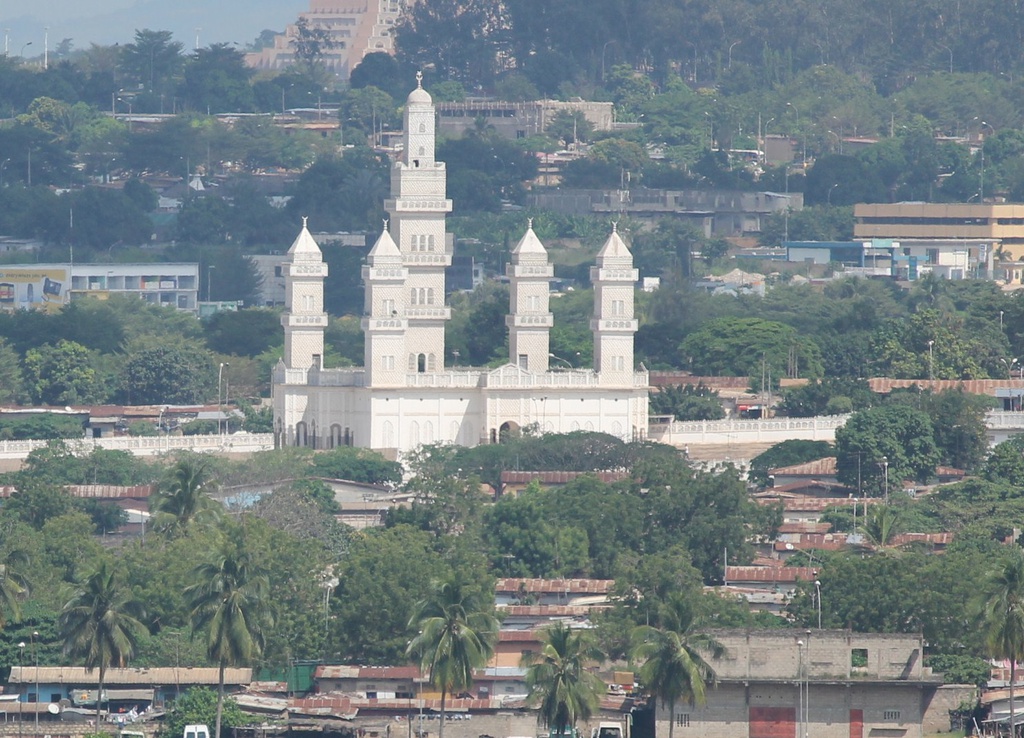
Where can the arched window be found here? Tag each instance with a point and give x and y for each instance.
(421, 363)
(423, 127)
(428, 432)
(431, 363)
(430, 242)
(430, 295)
(388, 434)
(412, 362)
(334, 440)
(412, 297)
(414, 434)
(301, 433)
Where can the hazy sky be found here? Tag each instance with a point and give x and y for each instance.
(115, 21)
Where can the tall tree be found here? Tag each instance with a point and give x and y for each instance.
(1002, 617)
(184, 496)
(229, 602)
(560, 680)
(13, 585)
(101, 625)
(673, 666)
(457, 633)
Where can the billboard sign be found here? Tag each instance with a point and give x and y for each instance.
(34, 288)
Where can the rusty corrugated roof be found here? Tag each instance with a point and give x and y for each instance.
(513, 585)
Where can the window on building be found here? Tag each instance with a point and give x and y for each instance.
(388, 307)
(388, 362)
(683, 720)
(858, 658)
(430, 295)
(891, 715)
(524, 361)
(421, 363)
(431, 363)
(430, 243)
(618, 307)
(412, 297)
(412, 362)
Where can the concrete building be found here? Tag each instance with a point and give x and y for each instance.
(829, 684)
(403, 395)
(518, 119)
(906, 259)
(49, 287)
(998, 223)
(355, 28)
(716, 213)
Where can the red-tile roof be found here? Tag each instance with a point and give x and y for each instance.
(554, 586)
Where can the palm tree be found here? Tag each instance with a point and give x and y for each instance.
(457, 633)
(184, 496)
(101, 623)
(880, 527)
(1002, 617)
(229, 601)
(673, 665)
(559, 679)
(13, 585)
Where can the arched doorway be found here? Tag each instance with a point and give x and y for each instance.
(509, 430)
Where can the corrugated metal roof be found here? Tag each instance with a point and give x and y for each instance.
(769, 574)
(885, 385)
(160, 676)
(559, 477)
(518, 636)
(554, 586)
(553, 611)
(818, 468)
(345, 671)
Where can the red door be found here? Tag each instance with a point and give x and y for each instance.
(773, 722)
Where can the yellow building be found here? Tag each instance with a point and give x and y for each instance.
(1000, 222)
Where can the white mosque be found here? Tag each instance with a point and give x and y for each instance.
(403, 396)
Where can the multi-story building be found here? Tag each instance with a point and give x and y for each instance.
(1002, 224)
(355, 28)
(50, 286)
(403, 395)
(518, 119)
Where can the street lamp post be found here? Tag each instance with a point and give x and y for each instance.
(817, 590)
(931, 356)
(35, 656)
(209, 281)
(559, 358)
(885, 475)
(21, 705)
(220, 404)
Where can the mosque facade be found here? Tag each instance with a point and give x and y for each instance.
(404, 395)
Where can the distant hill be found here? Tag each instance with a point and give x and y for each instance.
(115, 21)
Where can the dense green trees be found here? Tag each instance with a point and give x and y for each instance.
(878, 448)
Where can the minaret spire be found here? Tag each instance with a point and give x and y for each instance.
(613, 324)
(529, 320)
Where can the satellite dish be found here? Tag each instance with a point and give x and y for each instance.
(789, 546)
(53, 708)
